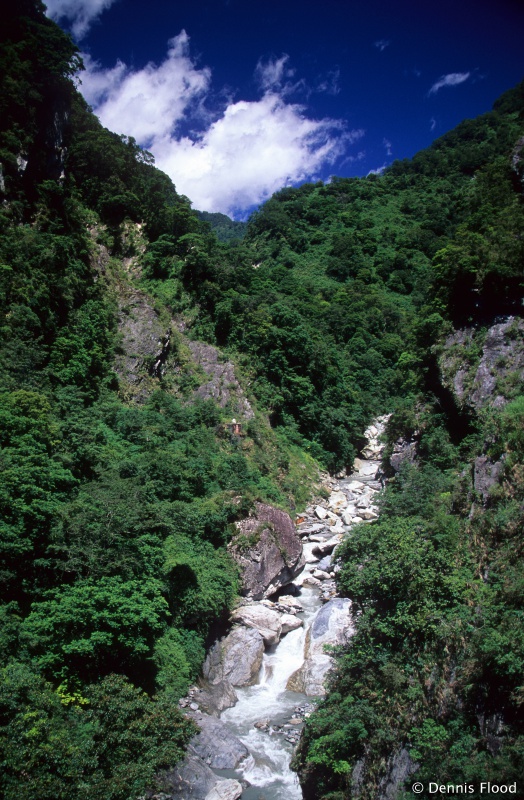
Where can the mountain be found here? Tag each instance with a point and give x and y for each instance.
(132, 335)
(225, 229)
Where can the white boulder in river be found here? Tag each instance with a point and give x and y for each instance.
(266, 621)
(331, 626)
(225, 790)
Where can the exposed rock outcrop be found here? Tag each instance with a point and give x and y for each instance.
(403, 451)
(332, 626)
(267, 550)
(213, 698)
(486, 474)
(145, 343)
(216, 745)
(152, 349)
(236, 658)
(222, 384)
(480, 380)
(263, 619)
(192, 778)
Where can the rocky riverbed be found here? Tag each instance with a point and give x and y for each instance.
(259, 681)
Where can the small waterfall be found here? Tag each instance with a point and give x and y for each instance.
(268, 765)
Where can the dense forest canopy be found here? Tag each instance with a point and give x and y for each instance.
(119, 489)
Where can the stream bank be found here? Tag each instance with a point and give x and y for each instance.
(260, 681)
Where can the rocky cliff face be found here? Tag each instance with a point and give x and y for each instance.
(483, 367)
(155, 349)
(267, 550)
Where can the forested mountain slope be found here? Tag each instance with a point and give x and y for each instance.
(130, 338)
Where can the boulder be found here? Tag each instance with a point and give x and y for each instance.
(325, 564)
(191, 778)
(310, 527)
(337, 501)
(320, 512)
(237, 658)
(213, 698)
(216, 745)
(288, 601)
(321, 575)
(228, 789)
(367, 468)
(290, 623)
(268, 551)
(263, 619)
(348, 514)
(323, 548)
(332, 625)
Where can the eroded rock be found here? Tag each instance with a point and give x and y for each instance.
(331, 626)
(267, 550)
(213, 698)
(228, 789)
(266, 621)
(216, 745)
(237, 658)
(192, 778)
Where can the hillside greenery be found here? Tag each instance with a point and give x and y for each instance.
(117, 511)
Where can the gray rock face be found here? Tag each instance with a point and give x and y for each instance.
(264, 620)
(402, 451)
(482, 383)
(145, 342)
(517, 161)
(237, 658)
(222, 384)
(399, 768)
(485, 475)
(267, 550)
(192, 778)
(331, 626)
(213, 698)
(216, 745)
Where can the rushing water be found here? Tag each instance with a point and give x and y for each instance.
(267, 768)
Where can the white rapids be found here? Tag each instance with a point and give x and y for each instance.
(268, 764)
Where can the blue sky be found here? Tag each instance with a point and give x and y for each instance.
(237, 98)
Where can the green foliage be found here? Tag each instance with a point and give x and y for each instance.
(437, 658)
(91, 629)
(110, 745)
(178, 656)
(224, 228)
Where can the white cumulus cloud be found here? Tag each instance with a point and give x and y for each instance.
(146, 103)
(251, 151)
(452, 79)
(79, 13)
(235, 158)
